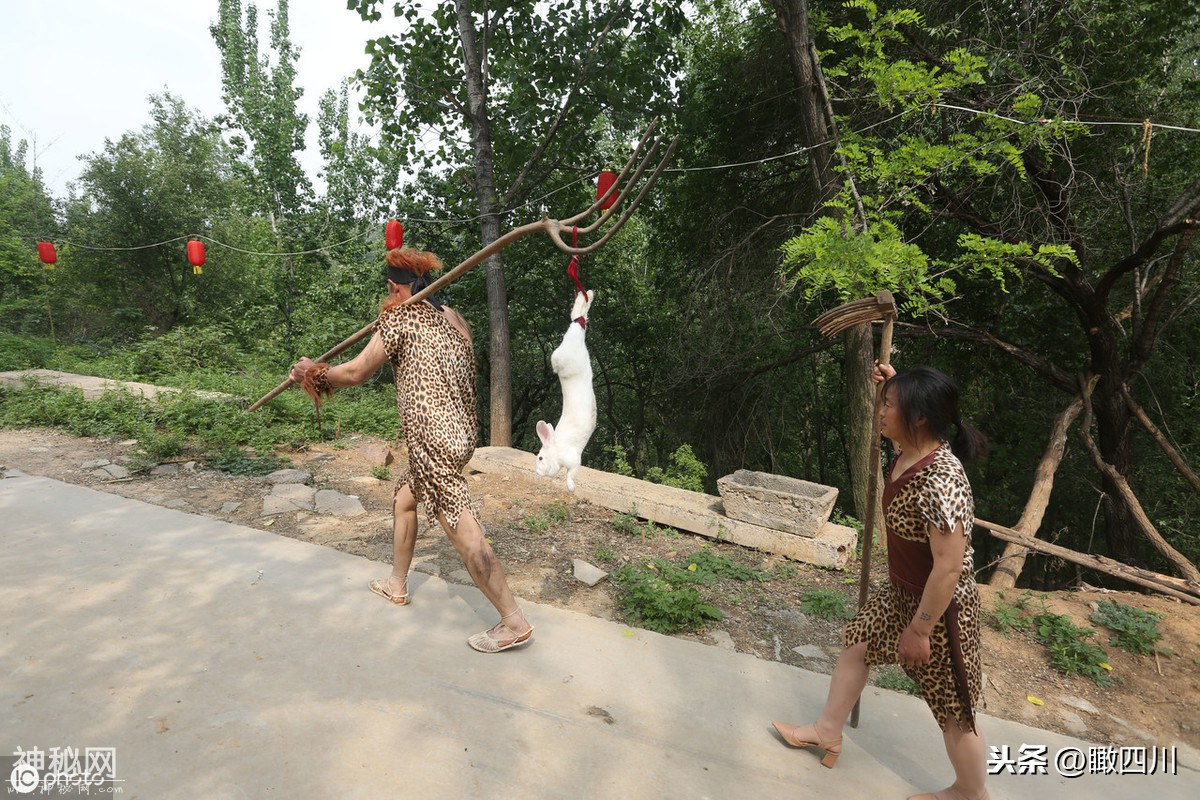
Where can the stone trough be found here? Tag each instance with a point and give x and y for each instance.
(777, 501)
(696, 512)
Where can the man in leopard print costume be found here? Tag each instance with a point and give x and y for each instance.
(926, 618)
(429, 348)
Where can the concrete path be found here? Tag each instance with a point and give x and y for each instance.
(93, 387)
(226, 662)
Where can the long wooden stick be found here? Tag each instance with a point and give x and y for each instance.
(864, 580)
(633, 170)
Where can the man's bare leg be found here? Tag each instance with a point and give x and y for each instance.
(404, 541)
(485, 569)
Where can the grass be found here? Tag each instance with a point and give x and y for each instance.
(549, 516)
(1007, 617)
(1070, 647)
(894, 678)
(824, 603)
(662, 598)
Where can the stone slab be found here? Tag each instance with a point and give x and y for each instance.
(334, 503)
(694, 512)
(587, 573)
(288, 497)
(290, 476)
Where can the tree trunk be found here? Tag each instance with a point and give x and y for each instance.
(792, 16)
(1114, 431)
(1012, 560)
(499, 352)
(860, 405)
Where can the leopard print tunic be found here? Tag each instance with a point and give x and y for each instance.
(434, 366)
(934, 490)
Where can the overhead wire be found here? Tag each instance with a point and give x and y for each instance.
(592, 174)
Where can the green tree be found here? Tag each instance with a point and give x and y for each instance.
(978, 184)
(512, 95)
(26, 215)
(171, 179)
(267, 132)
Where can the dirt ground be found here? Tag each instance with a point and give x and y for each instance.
(537, 529)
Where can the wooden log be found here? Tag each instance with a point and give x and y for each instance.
(1012, 560)
(1166, 584)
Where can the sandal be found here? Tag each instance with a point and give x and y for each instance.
(484, 643)
(380, 587)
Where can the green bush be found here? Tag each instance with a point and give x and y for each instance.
(1135, 630)
(721, 566)
(666, 603)
(824, 603)
(24, 352)
(685, 471)
(1069, 647)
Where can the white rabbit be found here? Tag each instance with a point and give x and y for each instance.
(562, 445)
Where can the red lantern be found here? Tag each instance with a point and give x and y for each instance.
(393, 234)
(603, 183)
(47, 254)
(195, 254)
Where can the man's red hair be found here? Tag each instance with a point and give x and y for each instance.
(419, 261)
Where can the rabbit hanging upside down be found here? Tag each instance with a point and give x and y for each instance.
(562, 445)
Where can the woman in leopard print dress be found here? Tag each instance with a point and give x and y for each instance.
(926, 618)
(429, 348)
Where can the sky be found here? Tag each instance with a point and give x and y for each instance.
(75, 72)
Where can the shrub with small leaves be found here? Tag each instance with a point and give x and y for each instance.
(824, 603)
(1070, 650)
(1135, 630)
(662, 599)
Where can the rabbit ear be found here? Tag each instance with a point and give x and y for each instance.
(545, 432)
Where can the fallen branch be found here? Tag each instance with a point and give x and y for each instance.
(1153, 430)
(1186, 591)
(1186, 568)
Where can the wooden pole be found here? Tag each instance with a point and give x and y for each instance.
(864, 580)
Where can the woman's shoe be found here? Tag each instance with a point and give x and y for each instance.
(383, 589)
(794, 736)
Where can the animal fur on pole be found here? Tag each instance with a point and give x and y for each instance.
(861, 312)
(556, 229)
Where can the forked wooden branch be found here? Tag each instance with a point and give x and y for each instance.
(556, 229)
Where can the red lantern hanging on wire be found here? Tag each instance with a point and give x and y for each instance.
(393, 234)
(195, 254)
(47, 254)
(606, 179)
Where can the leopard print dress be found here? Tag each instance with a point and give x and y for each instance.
(933, 491)
(434, 367)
